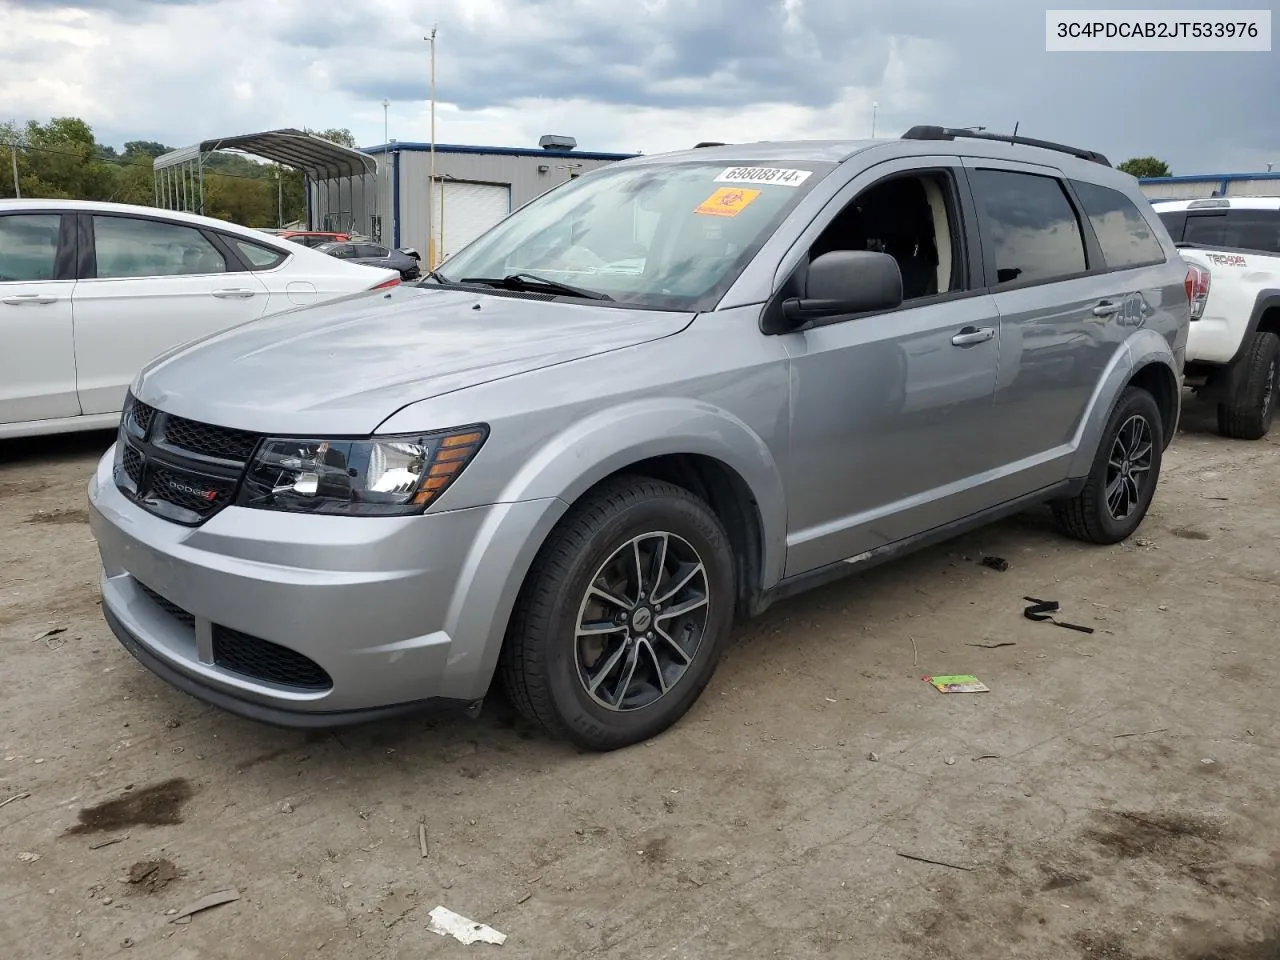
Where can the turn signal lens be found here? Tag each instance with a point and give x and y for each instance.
(455, 451)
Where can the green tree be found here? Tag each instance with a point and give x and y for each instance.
(338, 135)
(1145, 167)
(144, 148)
(63, 159)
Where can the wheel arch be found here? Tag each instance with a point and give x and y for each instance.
(1264, 318)
(1159, 380)
(697, 446)
(1146, 361)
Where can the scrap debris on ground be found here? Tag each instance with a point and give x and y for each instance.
(1087, 823)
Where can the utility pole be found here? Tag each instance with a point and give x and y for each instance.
(875, 106)
(13, 153)
(431, 240)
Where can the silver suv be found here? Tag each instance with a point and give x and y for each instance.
(664, 394)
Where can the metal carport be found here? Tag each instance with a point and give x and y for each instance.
(179, 174)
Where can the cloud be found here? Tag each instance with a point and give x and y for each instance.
(647, 75)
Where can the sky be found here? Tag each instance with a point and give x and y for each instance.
(635, 76)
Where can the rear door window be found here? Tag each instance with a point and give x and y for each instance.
(1030, 224)
(1123, 233)
(130, 247)
(29, 246)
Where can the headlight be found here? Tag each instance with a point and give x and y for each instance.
(377, 476)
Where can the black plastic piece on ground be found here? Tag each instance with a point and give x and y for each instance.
(1041, 611)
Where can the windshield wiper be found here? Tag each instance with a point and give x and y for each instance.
(531, 281)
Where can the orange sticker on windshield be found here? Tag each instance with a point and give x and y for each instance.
(727, 202)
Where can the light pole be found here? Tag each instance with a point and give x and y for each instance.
(386, 164)
(875, 105)
(431, 240)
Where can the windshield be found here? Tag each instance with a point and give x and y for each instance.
(669, 236)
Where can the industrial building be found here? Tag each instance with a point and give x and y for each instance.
(1211, 185)
(474, 188)
(386, 192)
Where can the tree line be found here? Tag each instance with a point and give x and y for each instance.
(62, 159)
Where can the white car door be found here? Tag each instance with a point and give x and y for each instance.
(156, 284)
(37, 357)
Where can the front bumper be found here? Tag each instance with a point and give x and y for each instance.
(312, 620)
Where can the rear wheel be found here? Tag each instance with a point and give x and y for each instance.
(1250, 410)
(621, 621)
(1123, 479)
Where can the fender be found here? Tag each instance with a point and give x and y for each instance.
(1228, 382)
(1266, 300)
(605, 442)
(1145, 347)
(566, 467)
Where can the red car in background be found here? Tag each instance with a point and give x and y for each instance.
(313, 238)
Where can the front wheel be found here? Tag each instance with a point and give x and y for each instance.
(622, 618)
(1123, 479)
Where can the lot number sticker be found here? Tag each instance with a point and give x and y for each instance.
(776, 176)
(726, 202)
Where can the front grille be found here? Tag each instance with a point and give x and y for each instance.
(133, 465)
(138, 415)
(180, 469)
(172, 609)
(200, 494)
(208, 440)
(261, 659)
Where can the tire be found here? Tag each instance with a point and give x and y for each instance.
(548, 666)
(1091, 516)
(1249, 412)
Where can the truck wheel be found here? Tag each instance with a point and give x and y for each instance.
(1248, 414)
(1123, 479)
(622, 618)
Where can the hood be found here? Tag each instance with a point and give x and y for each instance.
(346, 366)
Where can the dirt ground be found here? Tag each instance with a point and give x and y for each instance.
(1111, 797)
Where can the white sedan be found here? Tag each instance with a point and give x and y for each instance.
(90, 292)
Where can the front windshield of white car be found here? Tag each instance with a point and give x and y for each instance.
(667, 236)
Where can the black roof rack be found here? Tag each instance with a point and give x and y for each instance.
(709, 143)
(950, 133)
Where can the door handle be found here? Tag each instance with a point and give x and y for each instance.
(971, 335)
(1106, 309)
(19, 299)
(233, 293)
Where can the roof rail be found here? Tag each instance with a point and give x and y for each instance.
(951, 133)
(709, 143)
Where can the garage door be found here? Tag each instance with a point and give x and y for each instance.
(469, 210)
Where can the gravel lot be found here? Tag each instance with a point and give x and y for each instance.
(1110, 797)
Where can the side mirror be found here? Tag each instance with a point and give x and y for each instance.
(843, 282)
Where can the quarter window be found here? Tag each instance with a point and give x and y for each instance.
(127, 247)
(1123, 233)
(28, 246)
(258, 257)
(1031, 225)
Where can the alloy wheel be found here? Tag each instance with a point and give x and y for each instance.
(641, 621)
(1128, 467)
